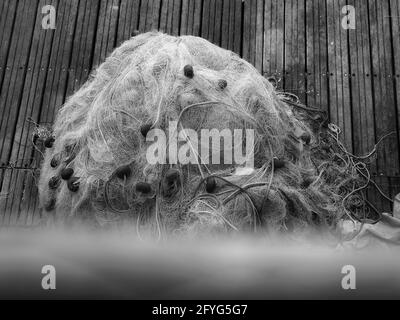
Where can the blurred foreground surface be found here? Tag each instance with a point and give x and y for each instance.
(117, 265)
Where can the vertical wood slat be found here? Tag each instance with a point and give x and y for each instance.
(316, 55)
(7, 18)
(149, 15)
(11, 96)
(191, 17)
(11, 91)
(170, 17)
(385, 109)
(107, 30)
(128, 19)
(273, 48)
(362, 98)
(83, 45)
(14, 179)
(395, 23)
(313, 53)
(56, 83)
(339, 92)
(23, 180)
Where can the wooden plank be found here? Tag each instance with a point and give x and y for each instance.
(362, 99)
(226, 32)
(128, 19)
(269, 48)
(322, 44)
(11, 92)
(356, 77)
(105, 32)
(385, 114)
(301, 52)
(259, 41)
(332, 62)
(211, 27)
(29, 212)
(79, 54)
(279, 61)
(142, 15)
(185, 17)
(10, 100)
(395, 23)
(346, 121)
(55, 61)
(246, 31)
(205, 19)
(176, 17)
(253, 28)
(32, 94)
(217, 23)
(7, 19)
(287, 78)
(155, 16)
(164, 16)
(231, 25)
(340, 107)
(170, 14)
(15, 75)
(392, 166)
(198, 4)
(56, 85)
(313, 69)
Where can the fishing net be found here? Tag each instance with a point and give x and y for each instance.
(96, 167)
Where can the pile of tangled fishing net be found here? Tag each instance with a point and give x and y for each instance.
(96, 170)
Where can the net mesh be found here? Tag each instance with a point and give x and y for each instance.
(303, 179)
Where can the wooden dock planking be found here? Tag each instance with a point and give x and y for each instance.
(323, 94)
(191, 17)
(269, 38)
(385, 115)
(356, 76)
(107, 31)
(395, 23)
(293, 39)
(56, 84)
(312, 54)
(246, 31)
(258, 60)
(391, 143)
(277, 49)
(128, 19)
(37, 69)
(227, 36)
(14, 76)
(149, 15)
(362, 99)
(301, 63)
(7, 18)
(11, 98)
(83, 45)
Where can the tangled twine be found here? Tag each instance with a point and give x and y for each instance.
(303, 176)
